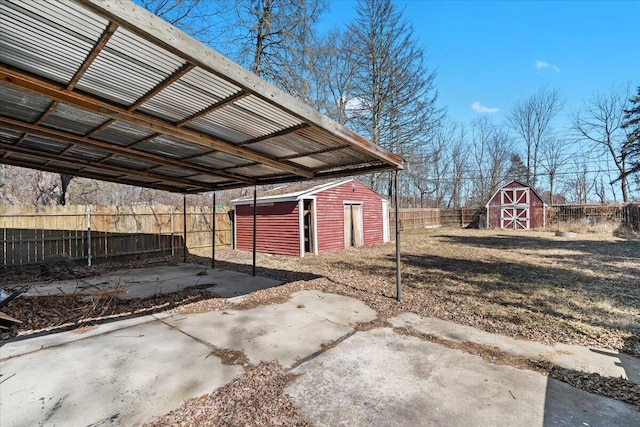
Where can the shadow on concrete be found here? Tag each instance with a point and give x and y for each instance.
(149, 290)
(284, 276)
(565, 405)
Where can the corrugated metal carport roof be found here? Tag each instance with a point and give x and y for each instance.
(107, 90)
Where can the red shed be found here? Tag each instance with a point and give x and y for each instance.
(516, 206)
(312, 218)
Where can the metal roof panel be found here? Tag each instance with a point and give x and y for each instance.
(220, 160)
(121, 134)
(128, 163)
(91, 80)
(128, 68)
(171, 147)
(46, 38)
(210, 126)
(74, 120)
(44, 144)
(21, 105)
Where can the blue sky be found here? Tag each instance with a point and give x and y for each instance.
(496, 52)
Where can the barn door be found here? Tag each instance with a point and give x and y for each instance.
(514, 208)
(353, 235)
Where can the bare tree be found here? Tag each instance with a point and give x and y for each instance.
(29, 186)
(553, 157)
(599, 123)
(491, 148)
(499, 151)
(578, 185)
(419, 175)
(531, 120)
(395, 92)
(272, 38)
(459, 163)
(198, 18)
(334, 67)
(430, 165)
(517, 170)
(631, 125)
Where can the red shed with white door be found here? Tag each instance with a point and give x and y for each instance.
(312, 218)
(516, 206)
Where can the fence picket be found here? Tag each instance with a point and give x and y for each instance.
(103, 233)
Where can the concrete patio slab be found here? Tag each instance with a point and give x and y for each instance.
(385, 379)
(284, 332)
(588, 359)
(130, 371)
(161, 279)
(121, 377)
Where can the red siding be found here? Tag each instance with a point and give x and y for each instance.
(330, 214)
(536, 209)
(277, 228)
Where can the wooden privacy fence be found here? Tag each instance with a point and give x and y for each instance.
(412, 218)
(460, 217)
(92, 234)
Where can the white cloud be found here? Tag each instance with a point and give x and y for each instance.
(482, 109)
(544, 64)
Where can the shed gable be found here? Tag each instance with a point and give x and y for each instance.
(516, 206)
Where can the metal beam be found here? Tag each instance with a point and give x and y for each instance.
(95, 51)
(184, 225)
(162, 85)
(42, 87)
(255, 208)
(111, 148)
(50, 157)
(213, 233)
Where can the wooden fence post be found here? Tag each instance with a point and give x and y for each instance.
(89, 236)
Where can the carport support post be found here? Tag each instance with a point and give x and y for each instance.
(213, 233)
(398, 279)
(255, 212)
(184, 225)
(89, 237)
(173, 247)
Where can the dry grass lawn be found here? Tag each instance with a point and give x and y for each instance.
(533, 285)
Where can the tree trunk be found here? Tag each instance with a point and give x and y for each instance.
(64, 185)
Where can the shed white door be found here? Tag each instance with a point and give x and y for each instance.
(514, 208)
(353, 235)
(386, 236)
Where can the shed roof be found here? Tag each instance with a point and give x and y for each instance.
(519, 183)
(106, 90)
(292, 192)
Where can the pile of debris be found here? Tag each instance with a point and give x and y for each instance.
(27, 314)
